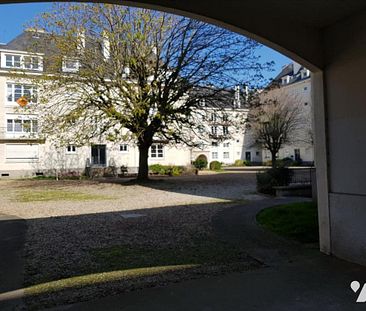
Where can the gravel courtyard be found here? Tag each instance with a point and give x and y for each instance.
(78, 228)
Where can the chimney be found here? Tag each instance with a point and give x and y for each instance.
(81, 40)
(106, 46)
(237, 102)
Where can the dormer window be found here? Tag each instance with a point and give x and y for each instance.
(286, 80)
(305, 73)
(70, 65)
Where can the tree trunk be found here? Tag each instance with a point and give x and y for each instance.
(143, 173)
(273, 159)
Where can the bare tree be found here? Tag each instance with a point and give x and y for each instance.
(133, 74)
(275, 122)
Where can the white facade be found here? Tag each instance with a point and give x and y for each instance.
(23, 153)
(294, 87)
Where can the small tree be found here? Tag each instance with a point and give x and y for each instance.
(272, 123)
(136, 74)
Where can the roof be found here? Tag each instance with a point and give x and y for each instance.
(292, 70)
(213, 97)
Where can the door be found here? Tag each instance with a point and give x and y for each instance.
(248, 156)
(297, 155)
(98, 155)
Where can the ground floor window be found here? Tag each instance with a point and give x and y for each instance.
(21, 152)
(157, 151)
(123, 148)
(71, 149)
(226, 155)
(215, 155)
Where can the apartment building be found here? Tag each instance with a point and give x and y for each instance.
(293, 85)
(24, 152)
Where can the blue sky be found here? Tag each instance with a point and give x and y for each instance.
(14, 16)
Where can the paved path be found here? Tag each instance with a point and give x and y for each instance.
(294, 277)
(12, 238)
(238, 225)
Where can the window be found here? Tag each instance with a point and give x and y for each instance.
(70, 65)
(225, 130)
(215, 155)
(157, 151)
(15, 91)
(21, 126)
(226, 155)
(257, 153)
(12, 61)
(225, 118)
(31, 62)
(123, 148)
(213, 117)
(23, 62)
(71, 149)
(214, 130)
(21, 152)
(214, 144)
(226, 145)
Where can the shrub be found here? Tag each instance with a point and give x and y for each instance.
(215, 166)
(242, 163)
(171, 170)
(239, 163)
(157, 169)
(271, 178)
(200, 163)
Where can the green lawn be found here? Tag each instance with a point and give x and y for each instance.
(298, 221)
(205, 252)
(56, 195)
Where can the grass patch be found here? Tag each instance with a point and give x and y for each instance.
(100, 278)
(208, 252)
(56, 195)
(298, 221)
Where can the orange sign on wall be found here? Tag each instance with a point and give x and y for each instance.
(22, 101)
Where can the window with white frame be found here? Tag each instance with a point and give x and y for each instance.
(16, 91)
(157, 151)
(215, 155)
(70, 65)
(21, 126)
(123, 148)
(31, 62)
(22, 62)
(226, 155)
(226, 145)
(214, 130)
(71, 149)
(13, 61)
(214, 144)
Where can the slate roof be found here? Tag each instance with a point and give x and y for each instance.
(288, 70)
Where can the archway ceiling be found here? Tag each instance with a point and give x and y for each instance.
(293, 27)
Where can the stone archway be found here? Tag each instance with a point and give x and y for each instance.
(329, 39)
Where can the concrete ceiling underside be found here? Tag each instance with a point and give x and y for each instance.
(293, 27)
